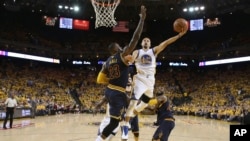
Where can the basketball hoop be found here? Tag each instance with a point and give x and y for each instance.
(105, 10)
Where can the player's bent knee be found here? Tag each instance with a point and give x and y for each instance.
(110, 127)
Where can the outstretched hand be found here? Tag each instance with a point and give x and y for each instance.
(183, 31)
(143, 12)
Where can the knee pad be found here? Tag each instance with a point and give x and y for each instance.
(116, 130)
(113, 124)
(145, 98)
(104, 123)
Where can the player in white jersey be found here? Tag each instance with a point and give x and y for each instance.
(144, 80)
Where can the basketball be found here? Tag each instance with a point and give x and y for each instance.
(180, 24)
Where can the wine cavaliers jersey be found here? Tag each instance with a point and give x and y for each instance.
(117, 72)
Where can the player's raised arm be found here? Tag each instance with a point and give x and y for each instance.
(167, 42)
(181, 26)
(137, 33)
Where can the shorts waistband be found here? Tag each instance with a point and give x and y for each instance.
(146, 75)
(118, 88)
(170, 119)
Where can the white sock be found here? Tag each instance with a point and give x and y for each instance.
(99, 138)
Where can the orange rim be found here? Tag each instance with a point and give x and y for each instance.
(106, 4)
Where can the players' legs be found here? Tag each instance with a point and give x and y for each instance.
(108, 130)
(104, 123)
(110, 137)
(136, 136)
(149, 83)
(129, 111)
(135, 127)
(138, 89)
(117, 102)
(145, 98)
(163, 131)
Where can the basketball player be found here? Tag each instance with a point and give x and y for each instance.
(114, 73)
(165, 119)
(144, 80)
(133, 122)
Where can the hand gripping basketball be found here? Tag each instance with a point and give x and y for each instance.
(180, 25)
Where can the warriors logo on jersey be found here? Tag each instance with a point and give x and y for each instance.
(146, 59)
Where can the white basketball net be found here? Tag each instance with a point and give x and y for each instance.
(105, 10)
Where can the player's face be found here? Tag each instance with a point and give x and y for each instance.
(146, 43)
(161, 99)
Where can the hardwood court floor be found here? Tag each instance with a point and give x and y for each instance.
(83, 127)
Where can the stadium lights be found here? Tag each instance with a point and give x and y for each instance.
(67, 7)
(76, 8)
(194, 8)
(29, 57)
(224, 61)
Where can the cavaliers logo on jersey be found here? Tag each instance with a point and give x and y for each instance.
(146, 59)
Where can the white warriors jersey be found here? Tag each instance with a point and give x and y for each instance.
(145, 62)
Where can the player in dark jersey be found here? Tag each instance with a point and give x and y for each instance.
(165, 119)
(114, 73)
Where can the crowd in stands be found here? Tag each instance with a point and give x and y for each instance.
(218, 93)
